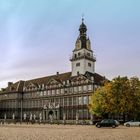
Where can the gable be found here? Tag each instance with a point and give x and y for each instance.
(53, 81)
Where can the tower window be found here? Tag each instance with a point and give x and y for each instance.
(89, 64)
(77, 64)
(88, 54)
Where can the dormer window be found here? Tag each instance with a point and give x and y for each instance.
(64, 83)
(42, 86)
(39, 86)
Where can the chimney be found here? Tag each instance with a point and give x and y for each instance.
(9, 84)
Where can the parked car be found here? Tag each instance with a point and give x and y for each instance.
(107, 123)
(132, 123)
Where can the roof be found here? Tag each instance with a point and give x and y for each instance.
(60, 78)
(15, 87)
(44, 80)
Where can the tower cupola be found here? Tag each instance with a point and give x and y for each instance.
(82, 28)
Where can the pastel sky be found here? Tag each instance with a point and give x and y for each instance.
(37, 36)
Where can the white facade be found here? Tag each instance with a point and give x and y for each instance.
(82, 62)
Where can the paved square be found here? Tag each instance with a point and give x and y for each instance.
(66, 132)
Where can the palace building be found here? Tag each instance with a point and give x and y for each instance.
(63, 96)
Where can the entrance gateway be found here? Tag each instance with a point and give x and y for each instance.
(51, 112)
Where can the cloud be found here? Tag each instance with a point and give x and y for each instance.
(37, 37)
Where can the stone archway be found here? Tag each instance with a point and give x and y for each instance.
(50, 113)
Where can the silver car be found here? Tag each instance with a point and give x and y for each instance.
(132, 123)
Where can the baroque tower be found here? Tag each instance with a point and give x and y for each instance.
(82, 58)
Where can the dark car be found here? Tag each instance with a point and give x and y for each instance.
(107, 123)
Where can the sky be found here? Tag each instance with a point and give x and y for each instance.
(37, 37)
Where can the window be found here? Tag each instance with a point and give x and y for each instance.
(62, 91)
(74, 100)
(84, 87)
(89, 87)
(41, 93)
(65, 101)
(79, 54)
(57, 91)
(71, 90)
(77, 64)
(49, 92)
(66, 90)
(80, 101)
(45, 93)
(70, 101)
(85, 113)
(57, 101)
(75, 89)
(80, 88)
(85, 100)
(88, 54)
(80, 113)
(53, 92)
(61, 101)
(89, 64)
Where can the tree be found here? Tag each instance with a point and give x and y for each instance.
(102, 101)
(120, 89)
(135, 94)
(119, 96)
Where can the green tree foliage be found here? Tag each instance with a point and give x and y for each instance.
(119, 96)
(135, 96)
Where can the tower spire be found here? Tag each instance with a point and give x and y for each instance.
(82, 35)
(82, 18)
(82, 59)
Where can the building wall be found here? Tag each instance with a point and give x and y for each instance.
(71, 100)
(82, 62)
